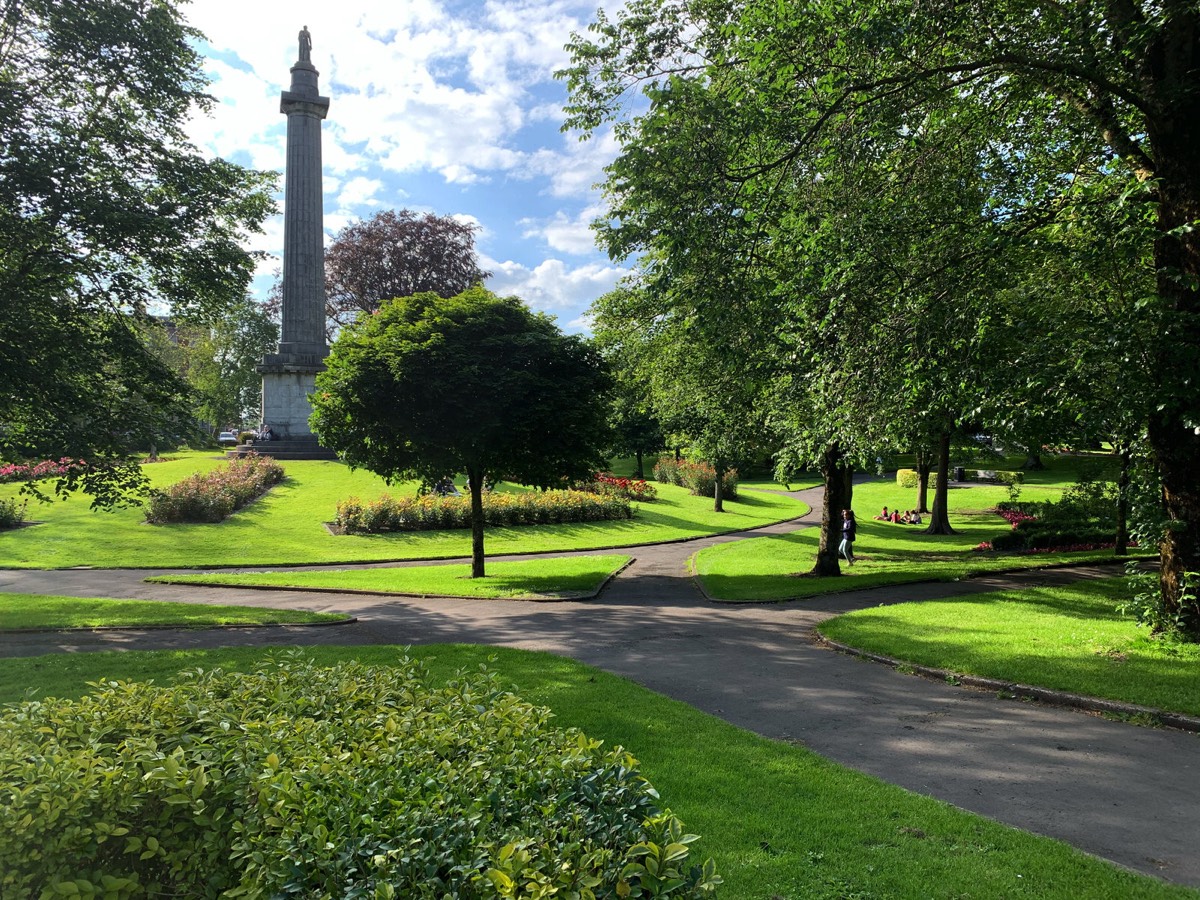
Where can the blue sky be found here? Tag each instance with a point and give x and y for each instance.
(448, 107)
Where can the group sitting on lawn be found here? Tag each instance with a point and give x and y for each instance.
(911, 517)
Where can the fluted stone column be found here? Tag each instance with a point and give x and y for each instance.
(288, 376)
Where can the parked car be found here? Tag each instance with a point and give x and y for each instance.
(227, 438)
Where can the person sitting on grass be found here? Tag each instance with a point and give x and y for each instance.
(914, 517)
(895, 517)
(884, 516)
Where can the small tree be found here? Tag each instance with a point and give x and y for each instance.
(474, 383)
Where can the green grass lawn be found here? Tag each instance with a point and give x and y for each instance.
(1070, 639)
(530, 579)
(286, 526)
(780, 821)
(775, 568)
(19, 611)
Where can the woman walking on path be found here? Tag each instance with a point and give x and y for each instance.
(849, 527)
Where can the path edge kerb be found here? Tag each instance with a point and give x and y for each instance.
(1020, 691)
(559, 597)
(86, 629)
(365, 563)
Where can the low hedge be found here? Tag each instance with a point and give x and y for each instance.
(994, 476)
(432, 512)
(352, 781)
(215, 495)
(908, 478)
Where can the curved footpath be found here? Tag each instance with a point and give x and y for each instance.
(1125, 793)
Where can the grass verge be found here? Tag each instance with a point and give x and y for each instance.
(779, 820)
(286, 526)
(22, 611)
(532, 579)
(1066, 638)
(776, 568)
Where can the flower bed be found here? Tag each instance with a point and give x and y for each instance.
(1015, 517)
(983, 546)
(214, 496)
(39, 471)
(1035, 534)
(635, 489)
(432, 512)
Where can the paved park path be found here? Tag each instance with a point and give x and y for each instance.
(1122, 792)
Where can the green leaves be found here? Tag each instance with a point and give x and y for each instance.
(429, 387)
(105, 211)
(350, 781)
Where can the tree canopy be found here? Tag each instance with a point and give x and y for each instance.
(398, 253)
(219, 363)
(106, 214)
(430, 386)
(746, 107)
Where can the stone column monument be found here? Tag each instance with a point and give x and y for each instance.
(288, 375)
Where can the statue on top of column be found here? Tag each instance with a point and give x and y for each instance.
(305, 45)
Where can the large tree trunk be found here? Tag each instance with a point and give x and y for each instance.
(1121, 541)
(1174, 135)
(718, 499)
(924, 467)
(1033, 462)
(475, 485)
(641, 473)
(833, 471)
(939, 518)
(1177, 453)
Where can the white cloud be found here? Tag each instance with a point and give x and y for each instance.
(423, 95)
(565, 233)
(552, 286)
(360, 192)
(414, 88)
(576, 169)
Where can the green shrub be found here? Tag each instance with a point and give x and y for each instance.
(432, 512)
(12, 513)
(213, 496)
(700, 478)
(1144, 603)
(1085, 501)
(351, 781)
(908, 478)
(995, 476)
(666, 471)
